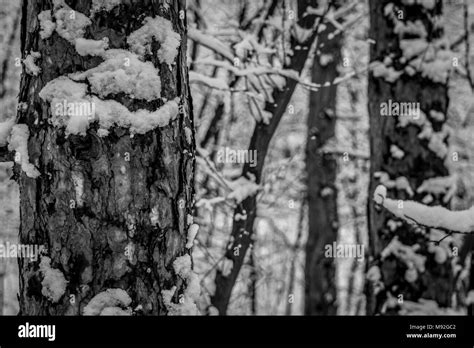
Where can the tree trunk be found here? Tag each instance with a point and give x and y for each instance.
(112, 211)
(242, 230)
(321, 168)
(423, 153)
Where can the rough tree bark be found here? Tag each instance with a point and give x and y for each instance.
(423, 156)
(321, 169)
(242, 230)
(137, 191)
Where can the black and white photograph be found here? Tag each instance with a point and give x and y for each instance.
(237, 164)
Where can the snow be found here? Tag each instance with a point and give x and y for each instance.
(187, 300)
(192, 232)
(5, 129)
(46, 24)
(242, 188)
(70, 24)
(396, 152)
(91, 47)
(446, 186)
(123, 72)
(104, 5)
(141, 121)
(30, 63)
(389, 74)
(182, 266)
(226, 266)
(53, 283)
(404, 253)
(161, 30)
(108, 302)
(18, 142)
(436, 217)
(78, 181)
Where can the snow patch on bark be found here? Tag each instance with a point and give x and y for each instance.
(123, 72)
(91, 47)
(109, 302)
(19, 143)
(53, 283)
(70, 24)
(161, 30)
(46, 24)
(242, 188)
(192, 232)
(30, 63)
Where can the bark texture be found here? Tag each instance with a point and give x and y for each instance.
(419, 162)
(125, 179)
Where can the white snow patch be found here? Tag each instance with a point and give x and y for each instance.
(161, 30)
(91, 47)
(19, 143)
(108, 302)
(192, 232)
(436, 217)
(242, 188)
(123, 72)
(182, 266)
(70, 24)
(30, 63)
(226, 266)
(46, 24)
(53, 283)
(78, 181)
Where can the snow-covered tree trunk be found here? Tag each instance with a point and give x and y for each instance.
(320, 286)
(107, 189)
(411, 64)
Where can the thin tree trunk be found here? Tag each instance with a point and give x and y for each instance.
(321, 168)
(242, 230)
(419, 161)
(128, 223)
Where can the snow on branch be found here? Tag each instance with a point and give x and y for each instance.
(433, 217)
(212, 43)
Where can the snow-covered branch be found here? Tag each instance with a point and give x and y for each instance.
(432, 217)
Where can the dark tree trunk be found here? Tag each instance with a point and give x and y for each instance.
(242, 230)
(419, 161)
(321, 168)
(137, 191)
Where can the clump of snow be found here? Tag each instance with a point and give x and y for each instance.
(161, 30)
(192, 232)
(18, 142)
(5, 129)
(104, 5)
(187, 301)
(123, 72)
(406, 254)
(446, 186)
(46, 24)
(374, 274)
(436, 217)
(226, 266)
(109, 302)
(182, 266)
(389, 74)
(91, 47)
(70, 24)
(30, 63)
(242, 188)
(78, 181)
(53, 283)
(396, 152)
(141, 121)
